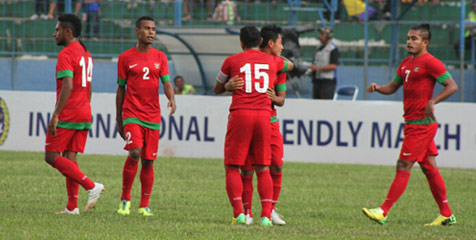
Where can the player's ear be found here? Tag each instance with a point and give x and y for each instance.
(137, 31)
(242, 45)
(260, 41)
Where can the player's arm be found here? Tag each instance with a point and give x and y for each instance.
(169, 92)
(276, 97)
(290, 64)
(120, 94)
(333, 62)
(450, 87)
(386, 89)
(65, 93)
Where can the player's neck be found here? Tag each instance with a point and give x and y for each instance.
(143, 47)
(419, 54)
(72, 40)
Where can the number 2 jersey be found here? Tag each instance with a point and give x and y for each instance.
(141, 72)
(418, 77)
(258, 70)
(74, 61)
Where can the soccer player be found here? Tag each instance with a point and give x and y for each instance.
(271, 44)
(248, 125)
(68, 127)
(418, 74)
(138, 110)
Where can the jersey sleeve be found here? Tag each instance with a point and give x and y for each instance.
(398, 76)
(65, 65)
(281, 83)
(438, 71)
(121, 72)
(335, 54)
(164, 68)
(282, 65)
(224, 73)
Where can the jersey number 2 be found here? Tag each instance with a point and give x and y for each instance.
(87, 71)
(258, 74)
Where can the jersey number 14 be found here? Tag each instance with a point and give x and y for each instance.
(87, 71)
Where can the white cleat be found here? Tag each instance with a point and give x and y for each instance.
(94, 195)
(248, 219)
(66, 211)
(276, 218)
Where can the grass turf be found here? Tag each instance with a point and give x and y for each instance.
(318, 201)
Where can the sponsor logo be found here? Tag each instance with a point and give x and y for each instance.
(416, 69)
(157, 65)
(4, 121)
(406, 154)
(132, 66)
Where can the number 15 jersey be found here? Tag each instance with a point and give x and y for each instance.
(258, 71)
(140, 72)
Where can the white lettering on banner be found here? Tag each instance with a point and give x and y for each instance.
(369, 132)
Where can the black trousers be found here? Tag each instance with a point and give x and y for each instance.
(323, 88)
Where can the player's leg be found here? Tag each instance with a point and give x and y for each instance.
(247, 179)
(234, 189)
(276, 169)
(148, 155)
(72, 186)
(134, 143)
(438, 189)
(265, 191)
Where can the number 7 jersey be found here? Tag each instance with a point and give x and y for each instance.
(140, 72)
(258, 71)
(74, 61)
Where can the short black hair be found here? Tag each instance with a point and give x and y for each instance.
(424, 29)
(250, 36)
(143, 18)
(177, 77)
(72, 22)
(269, 32)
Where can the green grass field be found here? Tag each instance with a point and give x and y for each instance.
(318, 201)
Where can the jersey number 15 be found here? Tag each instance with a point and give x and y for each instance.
(257, 75)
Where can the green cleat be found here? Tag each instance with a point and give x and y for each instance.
(375, 214)
(239, 220)
(266, 222)
(145, 211)
(442, 221)
(124, 207)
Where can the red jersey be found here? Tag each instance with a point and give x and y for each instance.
(141, 71)
(259, 70)
(418, 76)
(280, 86)
(74, 61)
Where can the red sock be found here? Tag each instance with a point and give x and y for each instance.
(128, 175)
(146, 182)
(72, 188)
(399, 184)
(265, 190)
(247, 193)
(69, 169)
(234, 189)
(438, 189)
(276, 176)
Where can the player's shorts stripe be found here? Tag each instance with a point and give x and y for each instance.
(74, 125)
(154, 126)
(445, 76)
(221, 77)
(398, 79)
(423, 121)
(274, 119)
(121, 82)
(280, 87)
(64, 73)
(165, 78)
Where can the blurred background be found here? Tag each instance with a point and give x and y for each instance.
(198, 35)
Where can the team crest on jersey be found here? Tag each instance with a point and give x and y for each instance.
(416, 69)
(4, 121)
(157, 65)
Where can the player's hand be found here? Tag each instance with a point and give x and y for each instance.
(120, 128)
(52, 125)
(172, 107)
(429, 111)
(271, 94)
(234, 83)
(373, 87)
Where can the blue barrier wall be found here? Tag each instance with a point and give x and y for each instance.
(38, 75)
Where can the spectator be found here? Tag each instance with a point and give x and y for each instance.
(182, 88)
(471, 32)
(188, 4)
(40, 10)
(226, 11)
(92, 11)
(57, 6)
(356, 9)
(324, 66)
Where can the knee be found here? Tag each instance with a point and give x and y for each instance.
(403, 165)
(259, 168)
(276, 169)
(135, 153)
(49, 158)
(147, 162)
